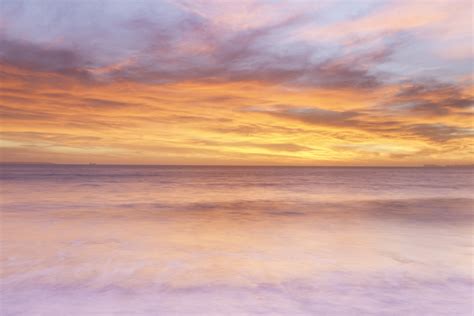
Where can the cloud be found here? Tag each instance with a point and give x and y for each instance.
(192, 47)
(38, 57)
(273, 147)
(229, 81)
(10, 113)
(327, 118)
(436, 132)
(101, 103)
(49, 138)
(440, 132)
(432, 97)
(316, 116)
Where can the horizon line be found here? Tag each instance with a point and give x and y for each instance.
(231, 165)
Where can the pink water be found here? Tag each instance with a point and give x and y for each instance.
(124, 240)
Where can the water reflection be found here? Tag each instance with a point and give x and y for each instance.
(291, 254)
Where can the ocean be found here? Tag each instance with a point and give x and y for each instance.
(189, 240)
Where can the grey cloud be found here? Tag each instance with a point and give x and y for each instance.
(431, 98)
(440, 132)
(257, 54)
(103, 103)
(42, 58)
(424, 87)
(312, 115)
(286, 147)
(358, 121)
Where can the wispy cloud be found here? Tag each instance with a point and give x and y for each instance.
(273, 82)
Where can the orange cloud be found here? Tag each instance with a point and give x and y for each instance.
(268, 84)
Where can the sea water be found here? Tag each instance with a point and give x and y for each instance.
(181, 240)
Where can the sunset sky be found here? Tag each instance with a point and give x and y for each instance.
(242, 82)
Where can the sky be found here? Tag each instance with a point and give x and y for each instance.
(247, 82)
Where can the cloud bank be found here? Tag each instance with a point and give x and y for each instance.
(247, 82)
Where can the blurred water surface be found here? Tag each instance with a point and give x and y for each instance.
(171, 240)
